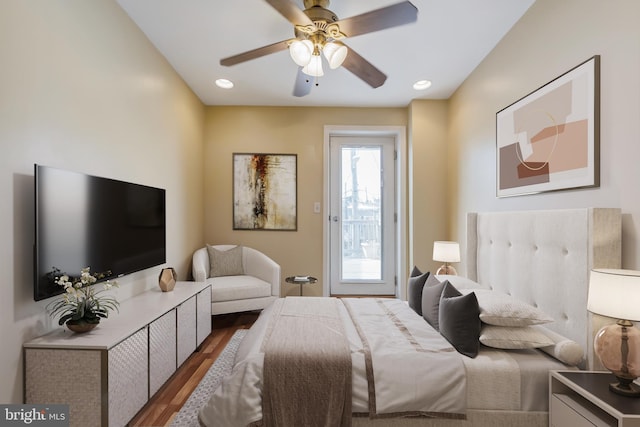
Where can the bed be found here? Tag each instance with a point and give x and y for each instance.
(401, 371)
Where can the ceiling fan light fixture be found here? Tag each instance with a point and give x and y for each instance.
(315, 27)
(314, 67)
(335, 54)
(301, 52)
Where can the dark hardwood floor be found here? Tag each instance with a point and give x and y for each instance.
(166, 403)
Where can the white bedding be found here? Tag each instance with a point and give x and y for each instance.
(510, 380)
(495, 379)
(429, 381)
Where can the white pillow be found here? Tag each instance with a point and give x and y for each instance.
(513, 338)
(499, 309)
(565, 350)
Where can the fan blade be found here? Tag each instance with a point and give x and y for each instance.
(255, 53)
(379, 19)
(363, 69)
(291, 11)
(303, 84)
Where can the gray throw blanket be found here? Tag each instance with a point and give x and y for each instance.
(307, 364)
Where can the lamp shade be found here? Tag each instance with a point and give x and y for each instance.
(300, 51)
(335, 54)
(446, 251)
(314, 67)
(615, 293)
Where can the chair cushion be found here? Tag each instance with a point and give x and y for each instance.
(225, 263)
(230, 288)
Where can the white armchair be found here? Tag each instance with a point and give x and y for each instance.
(258, 287)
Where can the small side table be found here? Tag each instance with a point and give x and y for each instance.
(582, 398)
(301, 280)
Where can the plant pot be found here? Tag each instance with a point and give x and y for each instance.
(81, 327)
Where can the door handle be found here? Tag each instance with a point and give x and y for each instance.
(334, 218)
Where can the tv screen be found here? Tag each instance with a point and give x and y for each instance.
(113, 227)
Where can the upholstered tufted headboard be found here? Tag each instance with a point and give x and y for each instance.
(544, 258)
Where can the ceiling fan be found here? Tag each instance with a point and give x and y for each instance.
(318, 31)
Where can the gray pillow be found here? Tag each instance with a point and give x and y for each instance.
(225, 263)
(431, 300)
(414, 289)
(459, 320)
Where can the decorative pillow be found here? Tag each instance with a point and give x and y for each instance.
(415, 272)
(431, 300)
(414, 290)
(513, 338)
(565, 350)
(225, 263)
(499, 309)
(459, 321)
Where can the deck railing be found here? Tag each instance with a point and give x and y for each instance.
(361, 238)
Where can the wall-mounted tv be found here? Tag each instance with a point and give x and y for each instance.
(114, 227)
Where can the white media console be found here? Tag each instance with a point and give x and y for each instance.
(107, 375)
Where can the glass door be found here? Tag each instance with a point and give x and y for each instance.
(362, 218)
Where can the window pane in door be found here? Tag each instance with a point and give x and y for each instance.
(361, 213)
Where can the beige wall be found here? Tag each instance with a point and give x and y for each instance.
(551, 38)
(278, 130)
(83, 89)
(429, 200)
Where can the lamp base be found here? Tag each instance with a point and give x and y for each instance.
(447, 269)
(617, 346)
(625, 387)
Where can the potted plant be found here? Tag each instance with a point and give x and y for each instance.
(82, 306)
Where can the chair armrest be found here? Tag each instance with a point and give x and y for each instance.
(261, 266)
(200, 265)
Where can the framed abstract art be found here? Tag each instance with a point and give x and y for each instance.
(550, 139)
(264, 191)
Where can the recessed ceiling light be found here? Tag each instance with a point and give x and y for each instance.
(224, 83)
(422, 84)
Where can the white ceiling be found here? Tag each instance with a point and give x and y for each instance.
(450, 38)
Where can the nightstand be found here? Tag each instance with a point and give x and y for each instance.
(582, 398)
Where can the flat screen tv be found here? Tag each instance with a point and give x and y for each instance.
(113, 227)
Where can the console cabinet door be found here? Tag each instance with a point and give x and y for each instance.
(162, 350)
(204, 314)
(186, 329)
(50, 377)
(128, 377)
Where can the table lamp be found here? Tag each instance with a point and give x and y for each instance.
(616, 293)
(446, 252)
